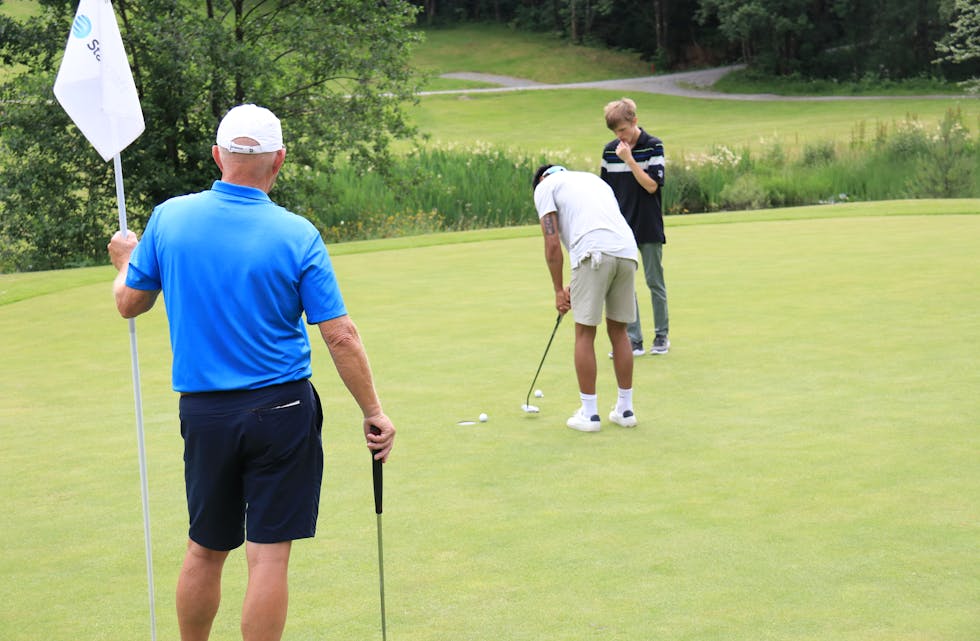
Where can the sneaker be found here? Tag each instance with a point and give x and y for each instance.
(626, 419)
(661, 344)
(637, 350)
(579, 421)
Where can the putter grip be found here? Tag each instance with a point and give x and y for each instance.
(378, 477)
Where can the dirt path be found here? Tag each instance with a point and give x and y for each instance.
(687, 84)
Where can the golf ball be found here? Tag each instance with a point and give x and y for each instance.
(538, 393)
(483, 418)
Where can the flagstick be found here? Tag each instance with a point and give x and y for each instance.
(121, 199)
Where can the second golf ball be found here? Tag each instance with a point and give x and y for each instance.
(483, 418)
(538, 393)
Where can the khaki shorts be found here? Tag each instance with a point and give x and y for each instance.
(609, 282)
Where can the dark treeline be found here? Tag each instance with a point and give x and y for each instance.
(843, 39)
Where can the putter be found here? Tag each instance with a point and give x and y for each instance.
(527, 407)
(378, 478)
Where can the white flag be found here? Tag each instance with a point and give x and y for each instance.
(95, 84)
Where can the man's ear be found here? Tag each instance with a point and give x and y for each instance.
(216, 154)
(280, 158)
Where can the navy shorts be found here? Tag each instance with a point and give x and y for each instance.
(253, 461)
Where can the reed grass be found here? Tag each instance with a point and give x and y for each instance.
(453, 187)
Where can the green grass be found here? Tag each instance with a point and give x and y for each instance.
(745, 81)
(490, 48)
(805, 468)
(19, 9)
(571, 120)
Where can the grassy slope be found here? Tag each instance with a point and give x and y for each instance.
(495, 49)
(19, 8)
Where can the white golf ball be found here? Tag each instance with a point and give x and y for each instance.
(538, 393)
(484, 418)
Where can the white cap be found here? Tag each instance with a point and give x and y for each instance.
(250, 121)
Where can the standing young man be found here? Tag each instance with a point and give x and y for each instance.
(579, 211)
(238, 273)
(633, 165)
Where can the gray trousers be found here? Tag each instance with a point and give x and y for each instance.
(653, 271)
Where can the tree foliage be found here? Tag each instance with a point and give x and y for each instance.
(844, 39)
(961, 44)
(336, 72)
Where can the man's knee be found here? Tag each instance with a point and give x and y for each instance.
(614, 327)
(584, 330)
(200, 554)
(201, 564)
(268, 552)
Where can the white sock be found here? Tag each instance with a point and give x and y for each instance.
(625, 401)
(590, 406)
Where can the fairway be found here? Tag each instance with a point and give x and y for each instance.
(805, 468)
(532, 121)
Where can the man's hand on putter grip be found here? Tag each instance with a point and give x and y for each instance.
(563, 300)
(381, 438)
(120, 247)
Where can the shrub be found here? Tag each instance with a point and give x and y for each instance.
(682, 191)
(909, 139)
(745, 192)
(820, 153)
(946, 168)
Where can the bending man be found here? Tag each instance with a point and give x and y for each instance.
(578, 210)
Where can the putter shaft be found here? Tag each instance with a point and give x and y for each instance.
(377, 476)
(527, 400)
(381, 578)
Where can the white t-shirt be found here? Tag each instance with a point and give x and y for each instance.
(589, 221)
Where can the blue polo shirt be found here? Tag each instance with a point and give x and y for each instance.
(237, 273)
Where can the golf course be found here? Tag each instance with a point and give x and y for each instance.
(806, 465)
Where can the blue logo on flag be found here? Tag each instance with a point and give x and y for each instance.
(82, 26)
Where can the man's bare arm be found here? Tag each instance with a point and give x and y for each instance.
(350, 359)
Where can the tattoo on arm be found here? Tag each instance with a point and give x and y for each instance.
(549, 225)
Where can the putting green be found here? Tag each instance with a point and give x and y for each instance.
(804, 467)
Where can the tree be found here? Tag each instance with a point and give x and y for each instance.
(902, 37)
(961, 44)
(335, 71)
(769, 32)
(831, 38)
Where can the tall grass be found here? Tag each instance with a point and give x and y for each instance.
(455, 187)
(445, 188)
(909, 159)
(452, 187)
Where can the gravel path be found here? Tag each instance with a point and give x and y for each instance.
(688, 84)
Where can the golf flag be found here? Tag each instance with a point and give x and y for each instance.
(95, 84)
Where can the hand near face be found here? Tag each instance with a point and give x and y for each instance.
(624, 151)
